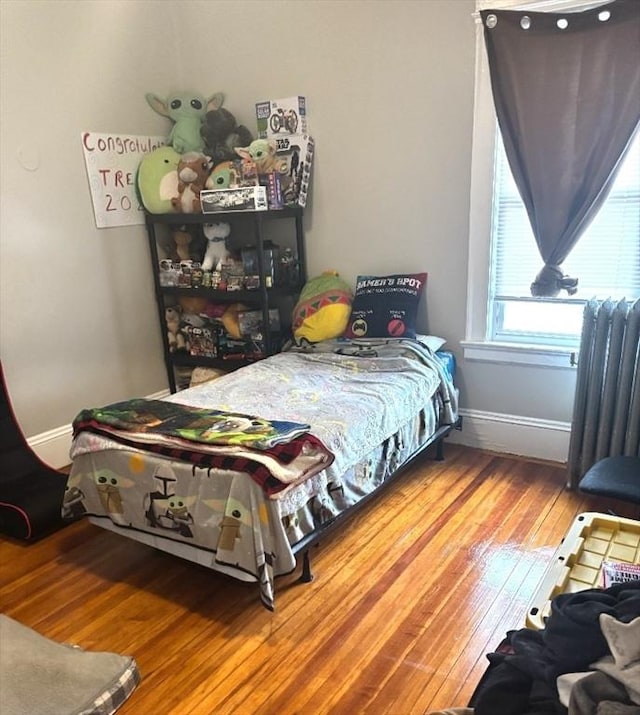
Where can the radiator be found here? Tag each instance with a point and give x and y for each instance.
(606, 410)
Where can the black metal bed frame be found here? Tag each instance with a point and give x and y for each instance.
(313, 539)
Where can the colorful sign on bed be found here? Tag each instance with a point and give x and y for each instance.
(112, 161)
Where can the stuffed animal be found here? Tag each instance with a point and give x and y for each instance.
(323, 309)
(222, 176)
(217, 251)
(186, 110)
(230, 320)
(157, 179)
(262, 152)
(232, 174)
(193, 171)
(175, 336)
(222, 134)
(192, 320)
(182, 239)
(193, 304)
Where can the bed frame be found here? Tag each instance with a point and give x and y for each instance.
(301, 549)
(303, 546)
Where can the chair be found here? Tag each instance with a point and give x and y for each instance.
(615, 478)
(31, 493)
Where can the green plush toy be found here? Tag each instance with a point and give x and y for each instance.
(187, 110)
(221, 176)
(157, 179)
(262, 152)
(323, 309)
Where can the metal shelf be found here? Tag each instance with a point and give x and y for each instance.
(262, 298)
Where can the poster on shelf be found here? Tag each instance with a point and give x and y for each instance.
(112, 162)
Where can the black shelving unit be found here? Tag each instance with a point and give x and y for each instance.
(262, 298)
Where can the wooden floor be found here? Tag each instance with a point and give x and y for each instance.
(405, 604)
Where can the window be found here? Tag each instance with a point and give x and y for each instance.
(504, 323)
(606, 260)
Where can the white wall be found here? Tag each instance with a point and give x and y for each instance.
(390, 96)
(75, 301)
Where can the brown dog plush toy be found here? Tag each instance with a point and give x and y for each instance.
(193, 171)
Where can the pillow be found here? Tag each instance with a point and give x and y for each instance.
(386, 306)
(433, 342)
(322, 311)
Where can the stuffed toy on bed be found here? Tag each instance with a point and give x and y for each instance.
(323, 309)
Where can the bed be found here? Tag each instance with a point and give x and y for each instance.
(342, 417)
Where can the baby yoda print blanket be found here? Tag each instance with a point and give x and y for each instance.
(156, 419)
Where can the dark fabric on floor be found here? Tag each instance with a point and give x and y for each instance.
(521, 678)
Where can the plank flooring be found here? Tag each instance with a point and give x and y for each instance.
(407, 599)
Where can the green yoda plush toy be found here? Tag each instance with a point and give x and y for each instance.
(186, 110)
(262, 152)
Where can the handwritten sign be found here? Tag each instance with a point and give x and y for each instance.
(112, 162)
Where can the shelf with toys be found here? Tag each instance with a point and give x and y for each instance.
(219, 279)
(224, 217)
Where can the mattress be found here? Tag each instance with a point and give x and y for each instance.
(372, 404)
(448, 360)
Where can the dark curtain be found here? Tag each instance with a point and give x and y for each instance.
(567, 93)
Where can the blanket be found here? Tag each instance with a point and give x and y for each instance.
(275, 453)
(152, 420)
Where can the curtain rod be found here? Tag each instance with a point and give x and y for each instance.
(537, 5)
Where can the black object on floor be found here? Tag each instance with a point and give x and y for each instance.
(31, 493)
(615, 478)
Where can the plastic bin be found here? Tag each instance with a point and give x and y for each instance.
(577, 564)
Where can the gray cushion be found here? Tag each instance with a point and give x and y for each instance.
(39, 676)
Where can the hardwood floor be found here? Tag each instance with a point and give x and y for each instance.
(406, 601)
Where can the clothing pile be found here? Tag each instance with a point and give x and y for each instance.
(585, 661)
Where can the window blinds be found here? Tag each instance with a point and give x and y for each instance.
(606, 259)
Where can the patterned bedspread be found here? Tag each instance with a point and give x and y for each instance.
(353, 395)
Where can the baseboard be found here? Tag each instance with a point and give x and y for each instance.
(514, 434)
(510, 434)
(52, 447)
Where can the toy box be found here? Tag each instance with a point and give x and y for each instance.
(248, 198)
(296, 151)
(250, 322)
(273, 184)
(593, 542)
(201, 341)
(244, 349)
(281, 117)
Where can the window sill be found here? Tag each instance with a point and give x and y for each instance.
(512, 354)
